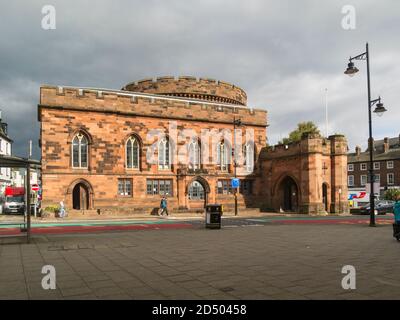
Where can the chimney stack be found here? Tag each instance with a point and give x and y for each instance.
(358, 150)
(385, 144)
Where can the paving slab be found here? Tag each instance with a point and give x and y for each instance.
(273, 261)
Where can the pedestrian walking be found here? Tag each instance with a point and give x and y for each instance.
(396, 224)
(164, 206)
(397, 210)
(62, 213)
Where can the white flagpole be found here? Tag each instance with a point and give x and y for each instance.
(326, 111)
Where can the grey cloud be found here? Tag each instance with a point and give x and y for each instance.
(283, 53)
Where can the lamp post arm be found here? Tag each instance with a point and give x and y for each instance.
(373, 102)
(362, 56)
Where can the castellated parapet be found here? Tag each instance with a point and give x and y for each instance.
(310, 143)
(144, 104)
(191, 87)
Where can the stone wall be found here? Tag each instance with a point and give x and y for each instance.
(108, 119)
(310, 163)
(191, 87)
(306, 177)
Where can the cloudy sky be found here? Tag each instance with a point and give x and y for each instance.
(283, 53)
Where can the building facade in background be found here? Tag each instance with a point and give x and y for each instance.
(386, 167)
(124, 149)
(5, 149)
(18, 177)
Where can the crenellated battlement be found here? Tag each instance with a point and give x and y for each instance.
(145, 104)
(310, 143)
(191, 87)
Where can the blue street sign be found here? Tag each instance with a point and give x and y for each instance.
(235, 182)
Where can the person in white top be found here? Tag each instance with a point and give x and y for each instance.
(62, 209)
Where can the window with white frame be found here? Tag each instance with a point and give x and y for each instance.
(159, 187)
(194, 154)
(196, 191)
(390, 178)
(80, 151)
(377, 177)
(350, 167)
(224, 186)
(222, 156)
(363, 166)
(363, 180)
(164, 154)
(125, 187)
(132, 153)
(377, 165)
(390, 164)
(249, 156)
(350, 181)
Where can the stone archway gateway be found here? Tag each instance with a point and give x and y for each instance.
(289, 194)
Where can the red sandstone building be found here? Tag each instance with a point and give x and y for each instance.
(123, 149)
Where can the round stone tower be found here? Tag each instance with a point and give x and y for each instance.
(191, 87)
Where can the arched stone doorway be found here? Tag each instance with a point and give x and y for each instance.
(197, 193)
(325, 196)
(80, 197)
(288, 194)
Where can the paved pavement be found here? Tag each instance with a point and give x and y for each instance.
(61, 226)
(254, 260)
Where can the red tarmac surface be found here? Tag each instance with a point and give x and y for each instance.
(87, 227)
(93, 228)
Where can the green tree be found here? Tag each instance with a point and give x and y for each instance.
(302, 128)
(392, 194)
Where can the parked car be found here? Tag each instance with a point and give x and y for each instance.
(14, 204)
(381, 207)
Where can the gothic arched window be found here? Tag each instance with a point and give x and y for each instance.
(222, 156)
(196, 191)
(194, 155)
(80, 151)
(132, 153)
(249, 156)
(164, 154)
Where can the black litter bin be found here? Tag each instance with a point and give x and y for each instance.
(213, 216)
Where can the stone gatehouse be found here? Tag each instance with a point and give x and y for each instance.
(124, 149)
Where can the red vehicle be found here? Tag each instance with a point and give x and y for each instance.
(15, 191)
(14, 201)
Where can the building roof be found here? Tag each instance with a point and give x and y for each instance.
(394, 143)
(364, 156)
(17, 162)
(3, 134)
(379, 154)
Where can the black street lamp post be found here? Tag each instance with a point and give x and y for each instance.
(379, 110)
(236, 123)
